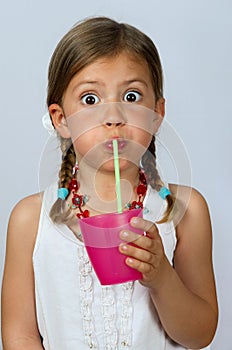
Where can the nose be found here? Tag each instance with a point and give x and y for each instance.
(113, 124)
(114, 116)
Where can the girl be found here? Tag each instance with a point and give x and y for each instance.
(105, 82)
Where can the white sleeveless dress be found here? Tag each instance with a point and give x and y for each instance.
(74, 311)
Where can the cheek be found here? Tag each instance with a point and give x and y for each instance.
(80, 146)
(143, 138)
(138, 146)
(84, 142)
(88, 149)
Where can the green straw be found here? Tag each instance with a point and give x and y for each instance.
(117, 176)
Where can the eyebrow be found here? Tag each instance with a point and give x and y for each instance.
(126, 82)
(84, 82)
(95, 82)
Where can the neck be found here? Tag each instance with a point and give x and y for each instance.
(100, 187)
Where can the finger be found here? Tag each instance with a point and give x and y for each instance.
(130, 236)
(143, 267)
(135, 252)
(141, 247)
(149, 227)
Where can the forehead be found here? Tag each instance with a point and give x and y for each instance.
(120, 66)
(124, 58)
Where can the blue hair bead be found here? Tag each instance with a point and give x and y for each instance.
(62, 193)
(164, 192)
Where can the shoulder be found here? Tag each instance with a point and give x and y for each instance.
(27, 209)
(193, 223)
(31, 202)
(24, 219)
(189, 201)
(186, 192)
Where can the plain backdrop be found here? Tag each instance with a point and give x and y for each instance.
(194, 40)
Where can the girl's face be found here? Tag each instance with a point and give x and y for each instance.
(111, 98)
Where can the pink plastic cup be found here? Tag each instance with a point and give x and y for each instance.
(101, 235)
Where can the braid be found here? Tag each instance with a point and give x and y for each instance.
(68, 162)
(153, 177)
(149, 165)
(60, 212)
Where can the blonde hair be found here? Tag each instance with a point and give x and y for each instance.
(87, 41)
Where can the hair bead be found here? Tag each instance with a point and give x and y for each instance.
(164, 192)
(62, 193)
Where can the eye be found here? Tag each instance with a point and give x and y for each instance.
(90, 99)
(132, 96)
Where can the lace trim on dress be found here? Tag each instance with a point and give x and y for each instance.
(112, 338)
(112, 335)
(125, 339)
(86, 298)
(108, 308)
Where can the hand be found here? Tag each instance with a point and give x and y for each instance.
(146, 254)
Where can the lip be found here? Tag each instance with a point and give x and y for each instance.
(121, 144)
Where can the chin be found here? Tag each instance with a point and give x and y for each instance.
(124, 164)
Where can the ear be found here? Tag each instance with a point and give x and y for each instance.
(160, 107)
(160, 112)
(58, 120)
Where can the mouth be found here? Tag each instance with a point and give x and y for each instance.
(121, 145)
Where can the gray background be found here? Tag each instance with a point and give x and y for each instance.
(194, 40)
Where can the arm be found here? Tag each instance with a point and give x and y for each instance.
(184, 296)
(194, 302)
(19, 326)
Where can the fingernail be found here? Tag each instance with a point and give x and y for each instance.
(130, 261)
(124, 234)
(135, 220)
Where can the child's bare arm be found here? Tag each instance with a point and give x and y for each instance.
(26, 343)
(19, 326)
(184, 296)
(192, 292)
